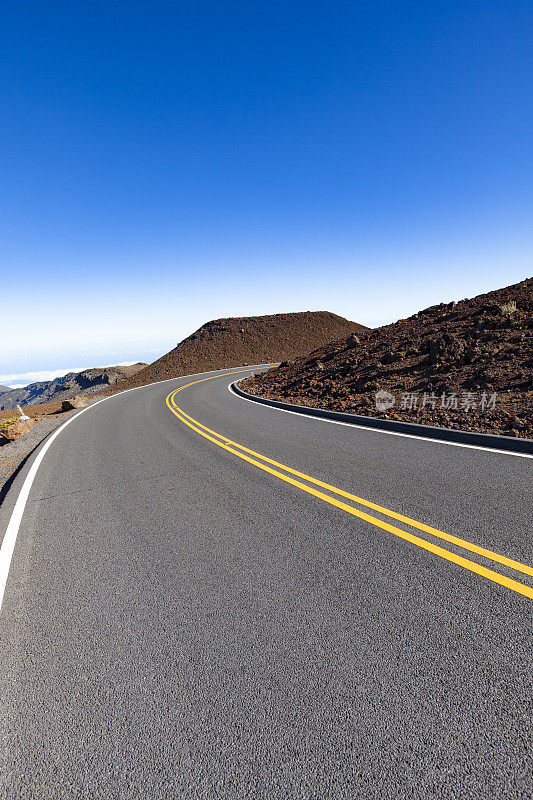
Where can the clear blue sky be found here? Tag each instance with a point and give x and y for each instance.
(165, 163)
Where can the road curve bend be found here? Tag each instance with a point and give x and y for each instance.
(211, 598)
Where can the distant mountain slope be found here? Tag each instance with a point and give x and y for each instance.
(4, 388)
(472, 349)
(246, 340)
(89, 381)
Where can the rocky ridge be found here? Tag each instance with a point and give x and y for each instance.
(86, 382)
(465, 365)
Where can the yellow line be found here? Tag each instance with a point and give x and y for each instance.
(229, 445)
(474, 548)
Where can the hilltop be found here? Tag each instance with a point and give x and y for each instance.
(477, 352)
(88, 381)
(236, 341)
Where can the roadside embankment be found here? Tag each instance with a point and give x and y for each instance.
(12, 454)
(465, 365)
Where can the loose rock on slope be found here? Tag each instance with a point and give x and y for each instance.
(19, 428)
(80, 401)
(476, 354)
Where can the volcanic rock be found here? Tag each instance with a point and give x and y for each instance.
(477, 353)
(80, 401)
(16, 429)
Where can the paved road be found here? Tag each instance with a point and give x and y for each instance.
(181, 623)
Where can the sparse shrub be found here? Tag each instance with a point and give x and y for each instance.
(5, 422)
(507, 308)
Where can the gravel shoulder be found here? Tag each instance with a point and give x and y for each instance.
(13, 454)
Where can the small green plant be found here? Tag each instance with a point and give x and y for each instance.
(5, 422)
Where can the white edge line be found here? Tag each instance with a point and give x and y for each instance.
(10, 537)
(355, 425)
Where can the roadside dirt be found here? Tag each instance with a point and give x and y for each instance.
(35, 412)
(13, 454)
(465, 365)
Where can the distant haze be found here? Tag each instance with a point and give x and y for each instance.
(15, 381)
(170, 164)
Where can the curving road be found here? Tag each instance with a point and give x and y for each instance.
(187, 617)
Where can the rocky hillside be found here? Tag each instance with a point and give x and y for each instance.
(89, 381)
(466, 365)
(246, 340)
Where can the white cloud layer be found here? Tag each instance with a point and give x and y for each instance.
(16, 380)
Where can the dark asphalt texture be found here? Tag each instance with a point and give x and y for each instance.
(179, 624)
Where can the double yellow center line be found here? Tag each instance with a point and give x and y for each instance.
(273, 468)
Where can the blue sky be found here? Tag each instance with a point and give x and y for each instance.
(167, 163)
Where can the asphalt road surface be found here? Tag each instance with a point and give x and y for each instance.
(185, 618)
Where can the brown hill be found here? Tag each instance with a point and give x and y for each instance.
(237, 341)
(477, 353)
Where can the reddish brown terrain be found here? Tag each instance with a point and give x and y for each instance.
(228, 343)
(238, 341)
(218, 344)
(35, 412)
(478, 353)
